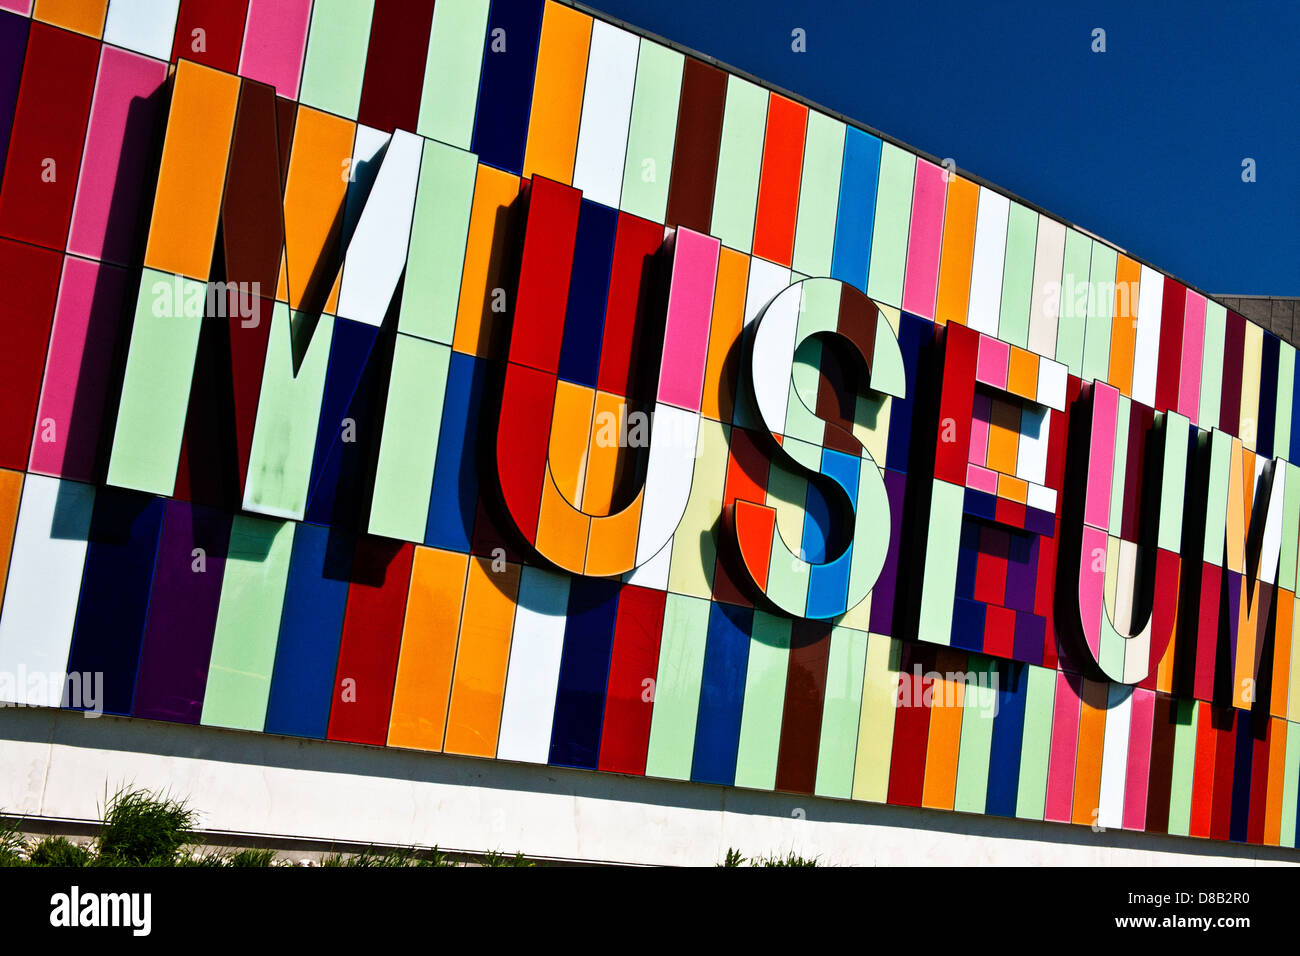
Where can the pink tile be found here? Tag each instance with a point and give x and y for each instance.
(275, 39)
(981, 479)
(1092, 586)
(118, 140)
(17, 6)
(68, 421)
(1138, 772)
(1189, 386)
(991, 365)
(929, 193)
(690, 312)
(1101, 455)
(1064, 749)
(981, 416)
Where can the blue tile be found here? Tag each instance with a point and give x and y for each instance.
(311, 626)
(584, 672)
(722, 694)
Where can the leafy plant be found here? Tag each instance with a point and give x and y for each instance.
(144, 829)
(12, 844)
(251, 857)
(59, 851)
(198, 857)
(734, 858)
(495, 858)
(790, 859)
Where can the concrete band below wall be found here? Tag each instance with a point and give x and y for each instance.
(61, 765)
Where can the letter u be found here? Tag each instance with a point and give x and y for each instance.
(538, 406)
(1109, 565)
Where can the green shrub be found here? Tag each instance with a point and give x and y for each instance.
(736, 858)
(144, 829)
(494, 858)
(251, 858)
(59, 851)
(199, 857)
(402, 856)
(790, 859)
(12, 845)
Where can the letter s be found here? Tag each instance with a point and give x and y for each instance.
(808, 308)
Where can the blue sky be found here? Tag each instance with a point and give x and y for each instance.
(1142, 144)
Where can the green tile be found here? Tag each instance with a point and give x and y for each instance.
(409, 446)
(760, 720)
(1036, 743)
(1285, 389)
(1074, 301)
(841, 709)
(1286, 568)
(248, 623)
(893, 220)
(1184, 767)
(652, 132)
(1101, 312)
(431, 290)
(819, 195)
(1018, 275)
(939, 590)
(337, 42)
(156, 383)
(677, 687)
(1216, 495)
(740, 160)
(1289, 785)
(979, 706)
(451, 71)
(288, 413)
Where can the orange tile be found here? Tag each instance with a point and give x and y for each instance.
(192, 174)
(1123, 331)
(721, 370)
(428, 651)
(1022, 374)
(940, 787)
(1276, 781)
(1087, 768)
(11, 491)
(557, 93)
(485, 254)
(478, 682)
(561, 529)
(1013, 488)
(958, 252)
(613, 423)
(1252, 622)
(1004, 436)
(1285, 602)
(82, 16)
(570, 428)
(611, 543)
(314, 194)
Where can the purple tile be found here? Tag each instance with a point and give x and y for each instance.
(884, 595)
(1031, 636)
(182, 613)
(13, 47)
